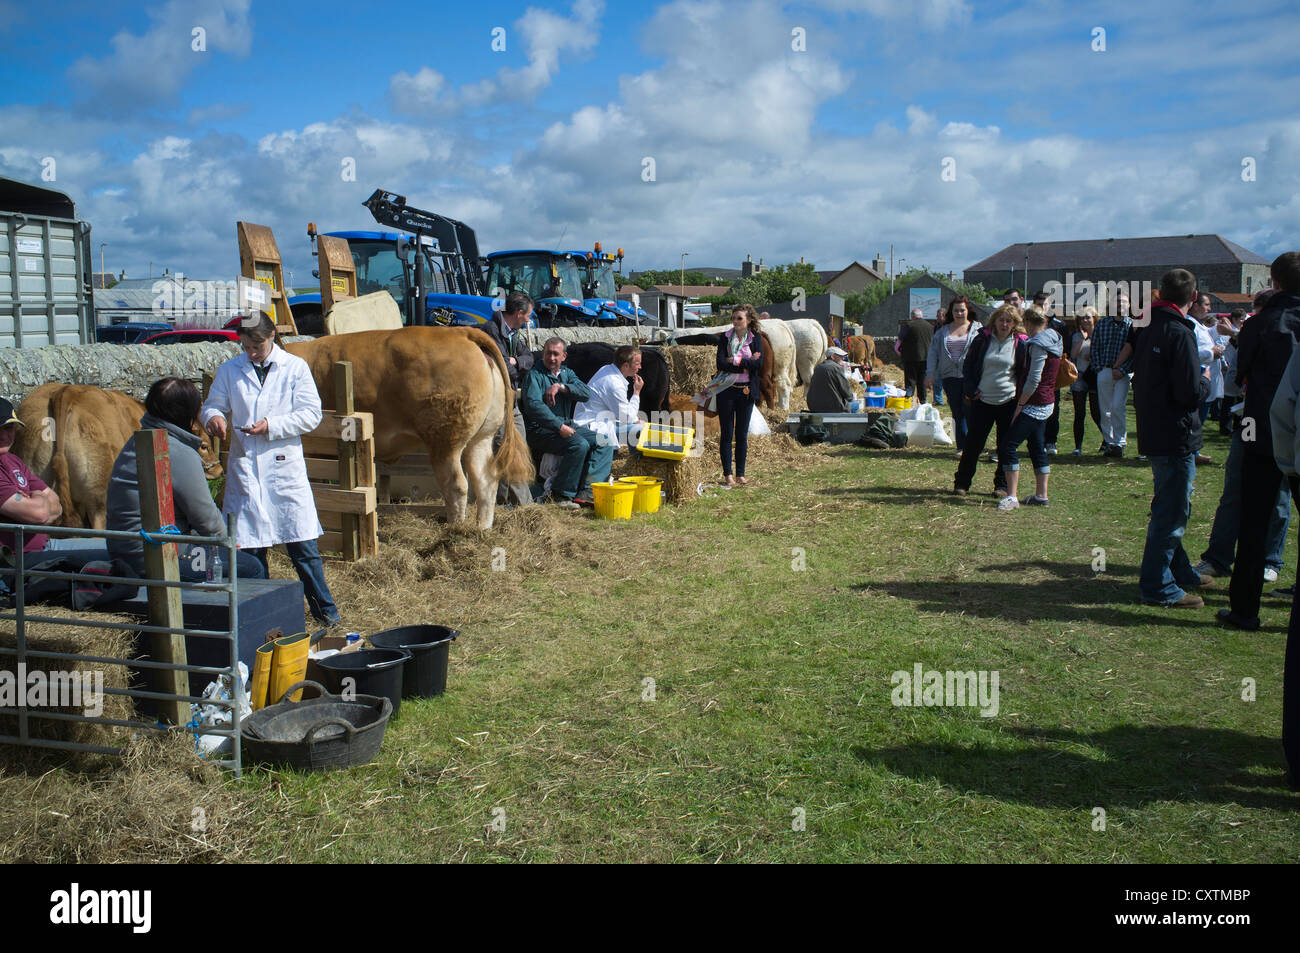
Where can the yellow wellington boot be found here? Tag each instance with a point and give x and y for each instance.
(288, 666)
(261, 678)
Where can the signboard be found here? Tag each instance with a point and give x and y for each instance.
(29, 246)
(927, 299)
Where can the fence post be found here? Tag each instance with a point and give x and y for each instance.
(154, 473)
(344, 404)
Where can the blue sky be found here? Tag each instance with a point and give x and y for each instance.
(831, 151)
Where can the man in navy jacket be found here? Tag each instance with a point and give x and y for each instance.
(1168, 387)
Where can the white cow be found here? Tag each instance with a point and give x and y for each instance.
(783, 358)
(810, 343)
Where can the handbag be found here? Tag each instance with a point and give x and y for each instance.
(1066, 373)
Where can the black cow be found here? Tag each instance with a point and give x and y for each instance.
(587, 358)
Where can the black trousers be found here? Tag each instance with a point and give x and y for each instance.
(1082, 397)
(914, 379)
(734, 410)
(981, 419)
(1260, 481)
(1291, 674)
(1053, 429)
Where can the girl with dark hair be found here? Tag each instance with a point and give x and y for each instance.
(947, 359)
(740, 356)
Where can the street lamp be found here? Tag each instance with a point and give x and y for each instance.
(1027, 247)
(102, 275)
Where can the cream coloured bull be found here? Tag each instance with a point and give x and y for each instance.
(810, 343)
(445, 391)
(783, 359)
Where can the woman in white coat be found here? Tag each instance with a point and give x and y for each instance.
(271, 400)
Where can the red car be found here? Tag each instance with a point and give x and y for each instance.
(192, 336)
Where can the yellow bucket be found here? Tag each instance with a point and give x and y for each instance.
(613, 500)
(647, 493)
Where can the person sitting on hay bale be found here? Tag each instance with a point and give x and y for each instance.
(830, 391)
(171, 405)
(551, 392)
(24, 498)
(615, 403)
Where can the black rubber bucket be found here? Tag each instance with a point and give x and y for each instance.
(425, 672)
(373, 671)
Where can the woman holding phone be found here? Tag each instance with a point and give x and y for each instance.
(271, 400)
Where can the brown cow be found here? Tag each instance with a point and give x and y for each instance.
(71, 437)
(862, 350)
(705, 423)
(443, 390)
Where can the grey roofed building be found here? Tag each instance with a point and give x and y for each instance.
(186, 302)
(1216, 262)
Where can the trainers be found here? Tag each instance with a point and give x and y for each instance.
(1034, 500)
(1009, 503)
(1188, 601)
(1270, 574)
(568, 505)
(958, 491)
(1077, 452)
(1285, 593)
(993, 458)
(1207, 568)
(1051, 449)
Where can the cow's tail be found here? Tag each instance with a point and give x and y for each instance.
(513, 460)
(59, 465)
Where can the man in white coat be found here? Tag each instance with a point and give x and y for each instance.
(271, 400)
(609, 411)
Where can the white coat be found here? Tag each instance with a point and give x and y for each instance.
(608, 411)
(266, 477)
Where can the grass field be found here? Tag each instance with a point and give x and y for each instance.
(772, 690)
(771, 620)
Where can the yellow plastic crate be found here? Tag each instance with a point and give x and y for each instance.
(666, 443)
(898, 403)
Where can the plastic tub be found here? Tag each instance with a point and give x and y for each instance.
(425, 672)
(855, 406)
(613, 500)
(648, 489)
(373, 672)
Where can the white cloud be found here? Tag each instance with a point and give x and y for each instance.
(548, 39)
(151, 68)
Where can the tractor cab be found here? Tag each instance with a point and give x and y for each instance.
(599, 291)
(552, 279)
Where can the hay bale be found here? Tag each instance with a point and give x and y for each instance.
(139, 808)
(47, 637)
(690, 367)
(681, 477)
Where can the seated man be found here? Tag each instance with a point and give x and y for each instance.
(24, 498)
(550, 394)
(172, 404)
(610, 412)
(830, 392)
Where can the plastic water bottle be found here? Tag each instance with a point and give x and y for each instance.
(216, 565)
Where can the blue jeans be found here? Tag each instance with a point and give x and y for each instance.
(1166, 572)
(1025, 428)
(305, 556)
(585, 458)
(1221, 551)
(953, 387)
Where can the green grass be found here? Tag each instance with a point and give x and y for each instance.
(772, 691)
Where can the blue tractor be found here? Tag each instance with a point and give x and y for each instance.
(599, 291)
(553, 279)
(432, 268)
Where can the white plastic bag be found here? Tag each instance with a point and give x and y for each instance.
(758, 425)
(925, 431)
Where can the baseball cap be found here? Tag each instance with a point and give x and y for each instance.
(7, 415)
(837, 352)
